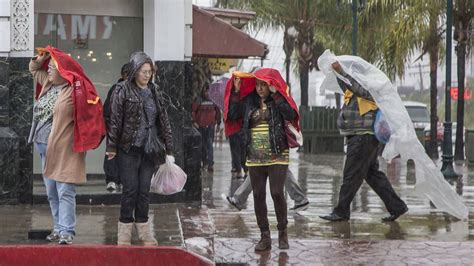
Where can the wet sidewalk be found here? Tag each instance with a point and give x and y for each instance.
(226, 235)
(422, 236)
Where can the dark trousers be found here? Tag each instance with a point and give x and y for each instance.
(277, 176)
(111, 171)
(207, 151)
(135, 173)
(237, 152)
(361, 163)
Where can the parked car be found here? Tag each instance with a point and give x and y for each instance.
(420, 116)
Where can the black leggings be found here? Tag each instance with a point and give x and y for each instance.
(258, 178)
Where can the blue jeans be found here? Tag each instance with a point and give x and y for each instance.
(62, 199)
(207, 136)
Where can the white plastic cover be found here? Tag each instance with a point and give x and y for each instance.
(403, 140)
(169, 178)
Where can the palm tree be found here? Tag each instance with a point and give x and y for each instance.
(268, 16)
(412, 25)
(287, 14)
(202, 76)
(463, 15)
(288, 47)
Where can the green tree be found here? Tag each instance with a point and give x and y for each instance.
(300, 15)
(410, 26)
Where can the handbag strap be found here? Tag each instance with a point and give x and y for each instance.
(145, 112)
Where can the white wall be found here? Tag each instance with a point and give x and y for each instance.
(16, 28)
(168, 29)
(4, 27)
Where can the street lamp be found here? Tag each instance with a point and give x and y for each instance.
(447, 168)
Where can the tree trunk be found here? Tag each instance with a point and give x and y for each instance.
(459, 146)
(304, 79)
(287, 67)
(288, 48)
(432, 145)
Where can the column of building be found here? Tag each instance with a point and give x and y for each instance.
(168, 39)
(16, 100)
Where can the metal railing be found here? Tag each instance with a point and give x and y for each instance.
(320, 131)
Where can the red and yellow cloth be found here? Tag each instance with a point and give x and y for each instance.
(248, 81)
(89, 125)
(365, 105)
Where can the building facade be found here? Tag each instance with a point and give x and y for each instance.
(101, 35)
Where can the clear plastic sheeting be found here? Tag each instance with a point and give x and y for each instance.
(403, 140)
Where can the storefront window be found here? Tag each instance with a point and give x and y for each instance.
(101, 44)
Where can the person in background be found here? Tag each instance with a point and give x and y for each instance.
(137, 110)
(206, 115)
(112, 178)
(294, 190)
(237, 152)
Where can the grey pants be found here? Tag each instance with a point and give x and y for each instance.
(291, 184)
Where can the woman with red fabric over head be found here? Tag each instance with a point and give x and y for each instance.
(67, 121)
(263, 109)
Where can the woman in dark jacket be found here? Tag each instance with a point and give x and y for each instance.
(136, 109)
(264, 112)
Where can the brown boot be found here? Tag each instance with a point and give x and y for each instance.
(146, 234)
(283, 239)
(265, 242)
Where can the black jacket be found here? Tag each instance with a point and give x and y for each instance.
(279, 109)
(108, 100)
(125, 118)
(126, 109)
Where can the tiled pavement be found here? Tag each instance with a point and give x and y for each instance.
(220, 232)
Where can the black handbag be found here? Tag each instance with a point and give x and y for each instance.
(154, 148)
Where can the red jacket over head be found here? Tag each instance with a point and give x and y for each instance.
(89, 125)
(248, 81)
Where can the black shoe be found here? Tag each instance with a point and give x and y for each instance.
(333, 218)
(233, 203)
(300, 207)
(393, 217)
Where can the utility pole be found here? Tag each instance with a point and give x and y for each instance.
(354, 27)
(447, 168)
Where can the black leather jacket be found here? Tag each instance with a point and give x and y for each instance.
(279, 109)
(125, 117)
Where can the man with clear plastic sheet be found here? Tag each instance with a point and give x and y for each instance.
(356, 122)
(403, 141)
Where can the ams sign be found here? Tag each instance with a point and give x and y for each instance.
(72, 27)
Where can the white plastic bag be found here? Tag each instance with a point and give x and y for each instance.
(403, 141)
(169, 178)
